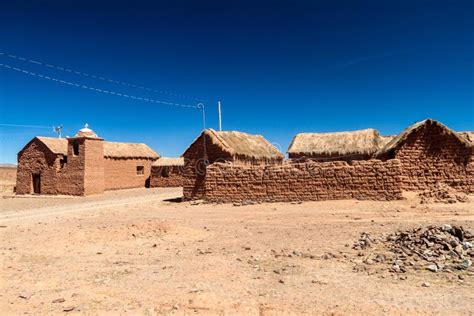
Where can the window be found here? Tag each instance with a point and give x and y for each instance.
(165, 172)
(63, 162)
(140, 170)
(75, 149)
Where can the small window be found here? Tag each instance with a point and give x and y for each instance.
(63, 162)
(165, 172)
(75, 149)
(140, 170)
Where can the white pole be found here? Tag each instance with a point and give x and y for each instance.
(220, 115)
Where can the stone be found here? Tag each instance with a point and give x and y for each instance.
(58, 300)
(68, 308)
(432, 268)
(425, 284)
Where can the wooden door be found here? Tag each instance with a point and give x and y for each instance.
(36, 183)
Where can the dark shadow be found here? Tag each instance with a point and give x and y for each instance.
(174, 200)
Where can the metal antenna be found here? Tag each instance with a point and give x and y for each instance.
(220, 115)
(203, 111)
(58, 130)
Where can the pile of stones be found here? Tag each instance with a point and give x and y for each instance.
(445, 248)
(442, 193)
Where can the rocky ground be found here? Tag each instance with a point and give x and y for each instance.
(134, 252)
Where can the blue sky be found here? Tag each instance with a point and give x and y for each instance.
(279, 67)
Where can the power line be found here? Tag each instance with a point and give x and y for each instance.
(109, 92)
(27, 126)
(80, 73)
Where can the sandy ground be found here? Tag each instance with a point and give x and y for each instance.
(7, 178)
(132, 252)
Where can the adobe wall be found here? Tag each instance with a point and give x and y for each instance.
(174, 179)
(121, 173)
(431, 156)
(36, 158)
(93, 166)
(347, 158)
(196, 157)
(202, 153)
(310, 181)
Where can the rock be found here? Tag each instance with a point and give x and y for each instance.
(68, 308)
(425, 284)
(466, 263)
(58, 300)
(281, 281)
(432, 268)
(25, 295)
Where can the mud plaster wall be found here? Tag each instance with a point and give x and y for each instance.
(336, 157)
(196, 159)
(36, 158)
(121, 173)
(430, 156)
(310, 181)
(174, 176)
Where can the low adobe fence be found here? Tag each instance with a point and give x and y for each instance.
(303, 181)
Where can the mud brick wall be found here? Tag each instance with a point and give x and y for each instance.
(309, 181)
(196, 159)
(121, 173)
(203, 153)
(431, 156)
(174, 176)
(93, 166)
(37, 159)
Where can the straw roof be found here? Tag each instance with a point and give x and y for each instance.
(468, 135)
(56, 145)
(128, 150)
(398, 140)
(365, 141)
(238, 144)
(167, 162)
(385, 140)
(111, 149)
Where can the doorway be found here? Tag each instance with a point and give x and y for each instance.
(36, 183)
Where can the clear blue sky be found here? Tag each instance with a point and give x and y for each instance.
(279, 67)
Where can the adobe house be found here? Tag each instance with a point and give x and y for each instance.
(82, 165)
(429, 153)
(167, 172)
(229, 146)
(338, 146)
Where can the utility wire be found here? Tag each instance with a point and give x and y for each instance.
(73, 84)
(27, 126)
(80, 73)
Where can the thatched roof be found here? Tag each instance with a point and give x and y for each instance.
(56, 145)
(468, 135)
(242, 145)
(398, 140)
(167, 162)
(111, 149)
(385, 140)
(128, 150)
(365, 141)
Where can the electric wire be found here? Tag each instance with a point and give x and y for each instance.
(85, 74)
(87, 87)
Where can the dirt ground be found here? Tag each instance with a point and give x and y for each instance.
(7, 178)
(133, 252)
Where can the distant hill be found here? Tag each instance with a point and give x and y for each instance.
(7, 165)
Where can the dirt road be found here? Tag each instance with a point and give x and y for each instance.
(131, 252)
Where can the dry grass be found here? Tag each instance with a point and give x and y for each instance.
(242, 145)
(366, 141)
(169, 162)
(111, 149)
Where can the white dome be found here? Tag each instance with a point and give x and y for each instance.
(86, 132)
